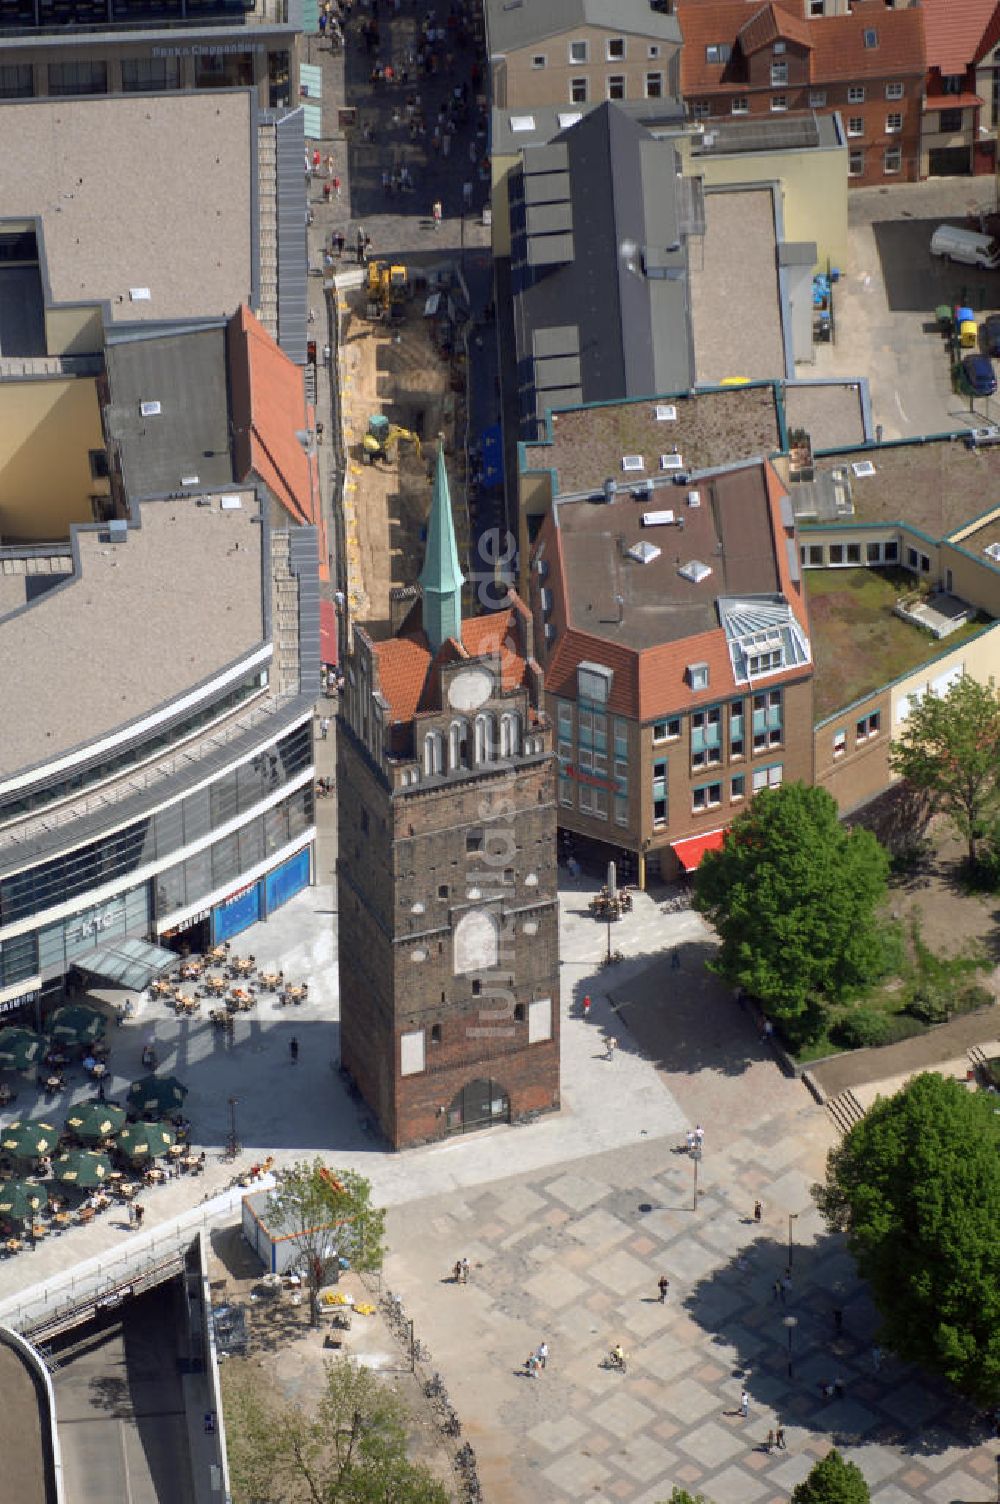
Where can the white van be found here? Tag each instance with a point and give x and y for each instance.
(965, 246)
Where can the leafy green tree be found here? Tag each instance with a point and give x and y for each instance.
(792, 895)
(950, 748)
(350, 1450)
(327, 1214)
(916, 1187)
(832, 1481)
(681, 1496)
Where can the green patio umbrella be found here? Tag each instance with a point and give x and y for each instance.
(159, 1094)
(29, 1139)
(75, 1023)
(21, 1200)
(92, 1121)
(81, 1167)
(19, 1048)
(145, 1140)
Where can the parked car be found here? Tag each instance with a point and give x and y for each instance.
(966, 247)
(991, 334)
(979, 376)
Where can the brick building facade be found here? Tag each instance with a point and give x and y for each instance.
(447, 896)
(678, 664)
(868, 66)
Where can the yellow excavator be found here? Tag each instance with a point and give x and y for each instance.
(388, 289)
(382, 436)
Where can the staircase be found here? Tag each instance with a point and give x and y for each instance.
(845, 1110)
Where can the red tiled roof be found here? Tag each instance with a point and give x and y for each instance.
(954, 29)
(837, 49)
(653, 682)
(327, 633)
(409, 676)
(275, 391)
(952, 102)
(990, 37)
(769, 24)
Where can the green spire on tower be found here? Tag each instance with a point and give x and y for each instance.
(441, 578)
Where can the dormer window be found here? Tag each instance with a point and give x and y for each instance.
(697, 675)
(718, 52)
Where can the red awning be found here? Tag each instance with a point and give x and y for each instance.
(690, 852)
(327, 633)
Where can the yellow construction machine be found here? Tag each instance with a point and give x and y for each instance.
(388, 289)
(382, 436)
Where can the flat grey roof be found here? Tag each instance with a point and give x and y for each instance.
(119, 212)
(784, 133)
(141, 622)
(511, 24)
(735, 305)
(189, 439)
(730, 532)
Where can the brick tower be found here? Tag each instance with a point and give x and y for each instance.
(446, 880)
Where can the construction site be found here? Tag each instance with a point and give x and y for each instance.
(402, 376)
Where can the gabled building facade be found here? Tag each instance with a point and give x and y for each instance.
(448, 919)
(740, 60)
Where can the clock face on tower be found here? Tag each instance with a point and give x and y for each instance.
(469, 688)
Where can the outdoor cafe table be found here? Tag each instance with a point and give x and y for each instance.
(192, 969)
(100, 1071)
(270, 978)
(216, 984)
(242, 966)
(296, 992)
(62, 1219)
(12, 1245)
(154, 1175)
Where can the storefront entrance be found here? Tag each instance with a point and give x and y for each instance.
(479, 1104)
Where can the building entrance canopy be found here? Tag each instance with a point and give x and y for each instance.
(689, 853)
(128, 963)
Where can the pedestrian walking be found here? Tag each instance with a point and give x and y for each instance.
(329, 167)
(437, 213)
(699, 1135)
(463, 1264)
(140, 1212)
(542, 1354)
(758, 1211)
(776, 1291)
(339, 241)
(324, 727)
(769, 1443)
(586, 1006)
(531, 1365)
(612, 1046)
(744, 1404)
(779, 1439)
(317, 160)
(663, 1285)
(327, 190)
(336, 187)
(786, 1285)
(131, 1215)
(293, 1049)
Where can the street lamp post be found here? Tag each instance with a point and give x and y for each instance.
(792, 1219)
(695, 1160)
(232, 1141)
(791, 1322)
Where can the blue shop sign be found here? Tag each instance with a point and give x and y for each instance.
(236, 913)
(287, 880)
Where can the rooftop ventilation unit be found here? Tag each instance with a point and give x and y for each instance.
(231, 503)
(118, 531)
(658, 519)
(694, 498)
(862, 468)
(666, 412)
(992, 550)
(632, 462)
(988, 434)
(671, 462)
(644, 553)
(139, 294)
(568, 118)
(695, 571)
(189, 480)
(150, 409)
(610, 491)
(522, 122)
(641, 490)
(546, 600)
